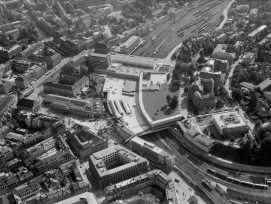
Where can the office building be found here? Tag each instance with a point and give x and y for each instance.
(230, 124)
(153, 153)
(103, 165)
(95, 61)
(84, 142)
(138, 183)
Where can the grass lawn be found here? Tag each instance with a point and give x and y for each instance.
(155, 103)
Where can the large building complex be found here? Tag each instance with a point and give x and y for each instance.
(130, 186)
(230, 124)
(78, 107)
(153, 153)
(84, 142)
(115, 164)
(68, 85)
(8, 54)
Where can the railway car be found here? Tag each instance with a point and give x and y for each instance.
(211, 171)
(247, 184)
(233, 180)
(207, 184)
(260, 186)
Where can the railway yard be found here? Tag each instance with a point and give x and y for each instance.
(247, 185)
(185, 23)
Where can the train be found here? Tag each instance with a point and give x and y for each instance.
(237, 181)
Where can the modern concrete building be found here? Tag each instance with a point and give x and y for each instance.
(138, 183)
(230, 124)
(85, 143)
(153, 153)
(195, 136)
(115, 164)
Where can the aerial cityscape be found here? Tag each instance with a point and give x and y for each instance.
(135, 101)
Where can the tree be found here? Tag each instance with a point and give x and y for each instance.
(258, 123)
(237, 94)
(174, 103)
(192, 66)
(168, 98)
(232, 139)
(265, 150)
(186, 89)
(193, 200)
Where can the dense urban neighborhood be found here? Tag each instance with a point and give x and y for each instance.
(135, 101)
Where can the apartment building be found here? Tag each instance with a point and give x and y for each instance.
(31, 49)
(84, 142)
(20, 65)
(31, 153)
(230, 124)
(5, 102)
(129, 164)
(5, 87)
(53, 157)
(6, 154)
(10, 53)
(143, 181)
(153, 153)
(26, 190)
(33, 73)
(101, 10)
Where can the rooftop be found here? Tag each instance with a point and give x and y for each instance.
(265, 84)
(253, 33)
(229, 120)
(87, 197)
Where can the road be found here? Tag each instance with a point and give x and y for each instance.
(196, 168)
(167, 33)
(225, 13)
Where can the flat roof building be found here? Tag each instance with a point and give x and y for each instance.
(84, 142)
(152, 152)
(87, 198)
(154, 177)
(229, 124)
(257, 31)
(265, 85)
(129, 164)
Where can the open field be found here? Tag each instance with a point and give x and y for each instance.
(168, 36)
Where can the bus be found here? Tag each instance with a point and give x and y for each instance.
(207, 183)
